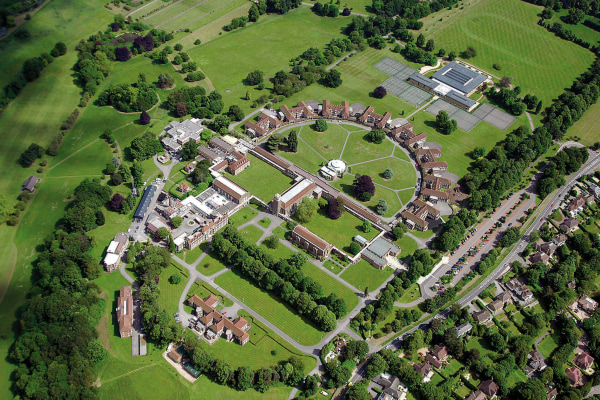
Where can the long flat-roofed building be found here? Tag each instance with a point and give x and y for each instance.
(311, 242)
(459, 77)
(140, 212)
(231, 191)
(125, 311)
(286, 203)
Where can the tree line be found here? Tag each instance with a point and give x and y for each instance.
(564, 163)
(285, 278)
(57, 346)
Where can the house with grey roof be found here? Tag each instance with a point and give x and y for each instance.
(30, 183)
(377, 252)
(463, 329)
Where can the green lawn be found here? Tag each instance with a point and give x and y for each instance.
(586, 127)
(279, 253)
(404, 172)
(242, 216)
(265, 222)
(453, 367)
(271, 308)
(190, 256)
(407, 246)
(329, 143)
(358, 149)
(338, 232)
(331, 285)
(412, 293)
(333, 267)
(479, 344)
(515, 377)
(204, 290)
(261, 179)
(362, 274)
(345, 184)
(547, 345)
(360, 79)
(210, 265)
(305, 157)
(169, 293)
(252, 47)
(280, 232)
(251, 234)
(496, 29)
(423, 235)
(457, 146)
(579, 30)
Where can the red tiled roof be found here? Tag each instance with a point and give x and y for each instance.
(310, 237)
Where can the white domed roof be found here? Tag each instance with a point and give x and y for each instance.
(337, 165)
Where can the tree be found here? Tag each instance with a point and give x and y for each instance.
(510, 237)
(272, 242)
(478, 152)
(332, 78)
(354, 248)
(376, 136)
(292, 141)
(245, 376)
(163, 232)
(165, 81)
(253, 13)
(176, 222)
(574, 16)
(376, 365)
(145, 118)
(380, 92)
(145, 146)
(397, 233)
(420, 40)
(430, 45)
(366, 226)
(356, 350)
(497, 342)
(320, 125)
(505, 81)
(254, 78)
(382, 207)
(444, 124)
(357, 392)
(346, 12)
(122, 54)
(181, 109)
(220, 371)
(189, 151)
(273, 142)
(335, 208)
(531, 389)
(538, 108)
(175, 279)
(178, 47)
(116, 179)
(363, 184)
(306, 211)
(235, 113)
(452, 56)
(388, 173)
(470, 52)
(547, 13)
(60, 49)
(116, 202)
(33, 152)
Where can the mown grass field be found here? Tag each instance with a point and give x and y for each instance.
(404, 172)
(505, 32)
(261, 179)
(587, 127)
(359, 149)
(345, 184)
(338, 232)
(250, 48)
(329, 143)
(362, 274)
(271, 308)
(170, 293)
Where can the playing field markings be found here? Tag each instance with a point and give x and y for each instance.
(205, 14)
(181, 13)
(164, 9)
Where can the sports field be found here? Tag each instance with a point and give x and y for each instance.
(505, 32)
(270, 307)
(362, 274)
(261, 179)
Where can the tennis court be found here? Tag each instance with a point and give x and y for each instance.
(395, 68)
(464, 120)
(406, 91)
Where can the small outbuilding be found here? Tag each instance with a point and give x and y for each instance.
(30, 183)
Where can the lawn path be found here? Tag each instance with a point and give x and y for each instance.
(346, 141)
(130, 372)
(310, 147)
(11, 270)
(72, 154)
(434, 98)
(530, 121)
(204, 15)
(164, 9)
(180, 14)
(141, 8)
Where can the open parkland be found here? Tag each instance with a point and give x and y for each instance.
(496, 28)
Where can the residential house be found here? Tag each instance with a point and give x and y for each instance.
(433, 361)
(415, 216)
(371, 118)
(576, 206)
(285, 204)
(569, 225)
(574, 375)
(343, 111)
(423, 369)
(559, 239)
(125, 311)
(440, 352)
(587, 304)
(482, 316)
(595, 189)
(548, 248)
(115, 251)
(175, 356)
(539, 257)
(237, 162)
(184, 187)
(477, 395)
(496, 307)
(379, 251)
(463, 329)
(584, 361)
(519, 289)
(295, 114)
(435, 195)
(311, 242)
(30, 183)
(154, 223)
(489, 387)
(390, 387)
(551, 392)
(535, 362)
(214, 324)
(436, 182)
(231, 191)
(504, 297)
(264, 125)
(190, 167)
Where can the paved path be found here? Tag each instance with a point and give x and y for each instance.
(246, 118)
(340, 60)
(538, 340)
(434, 98)
(530, 121)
